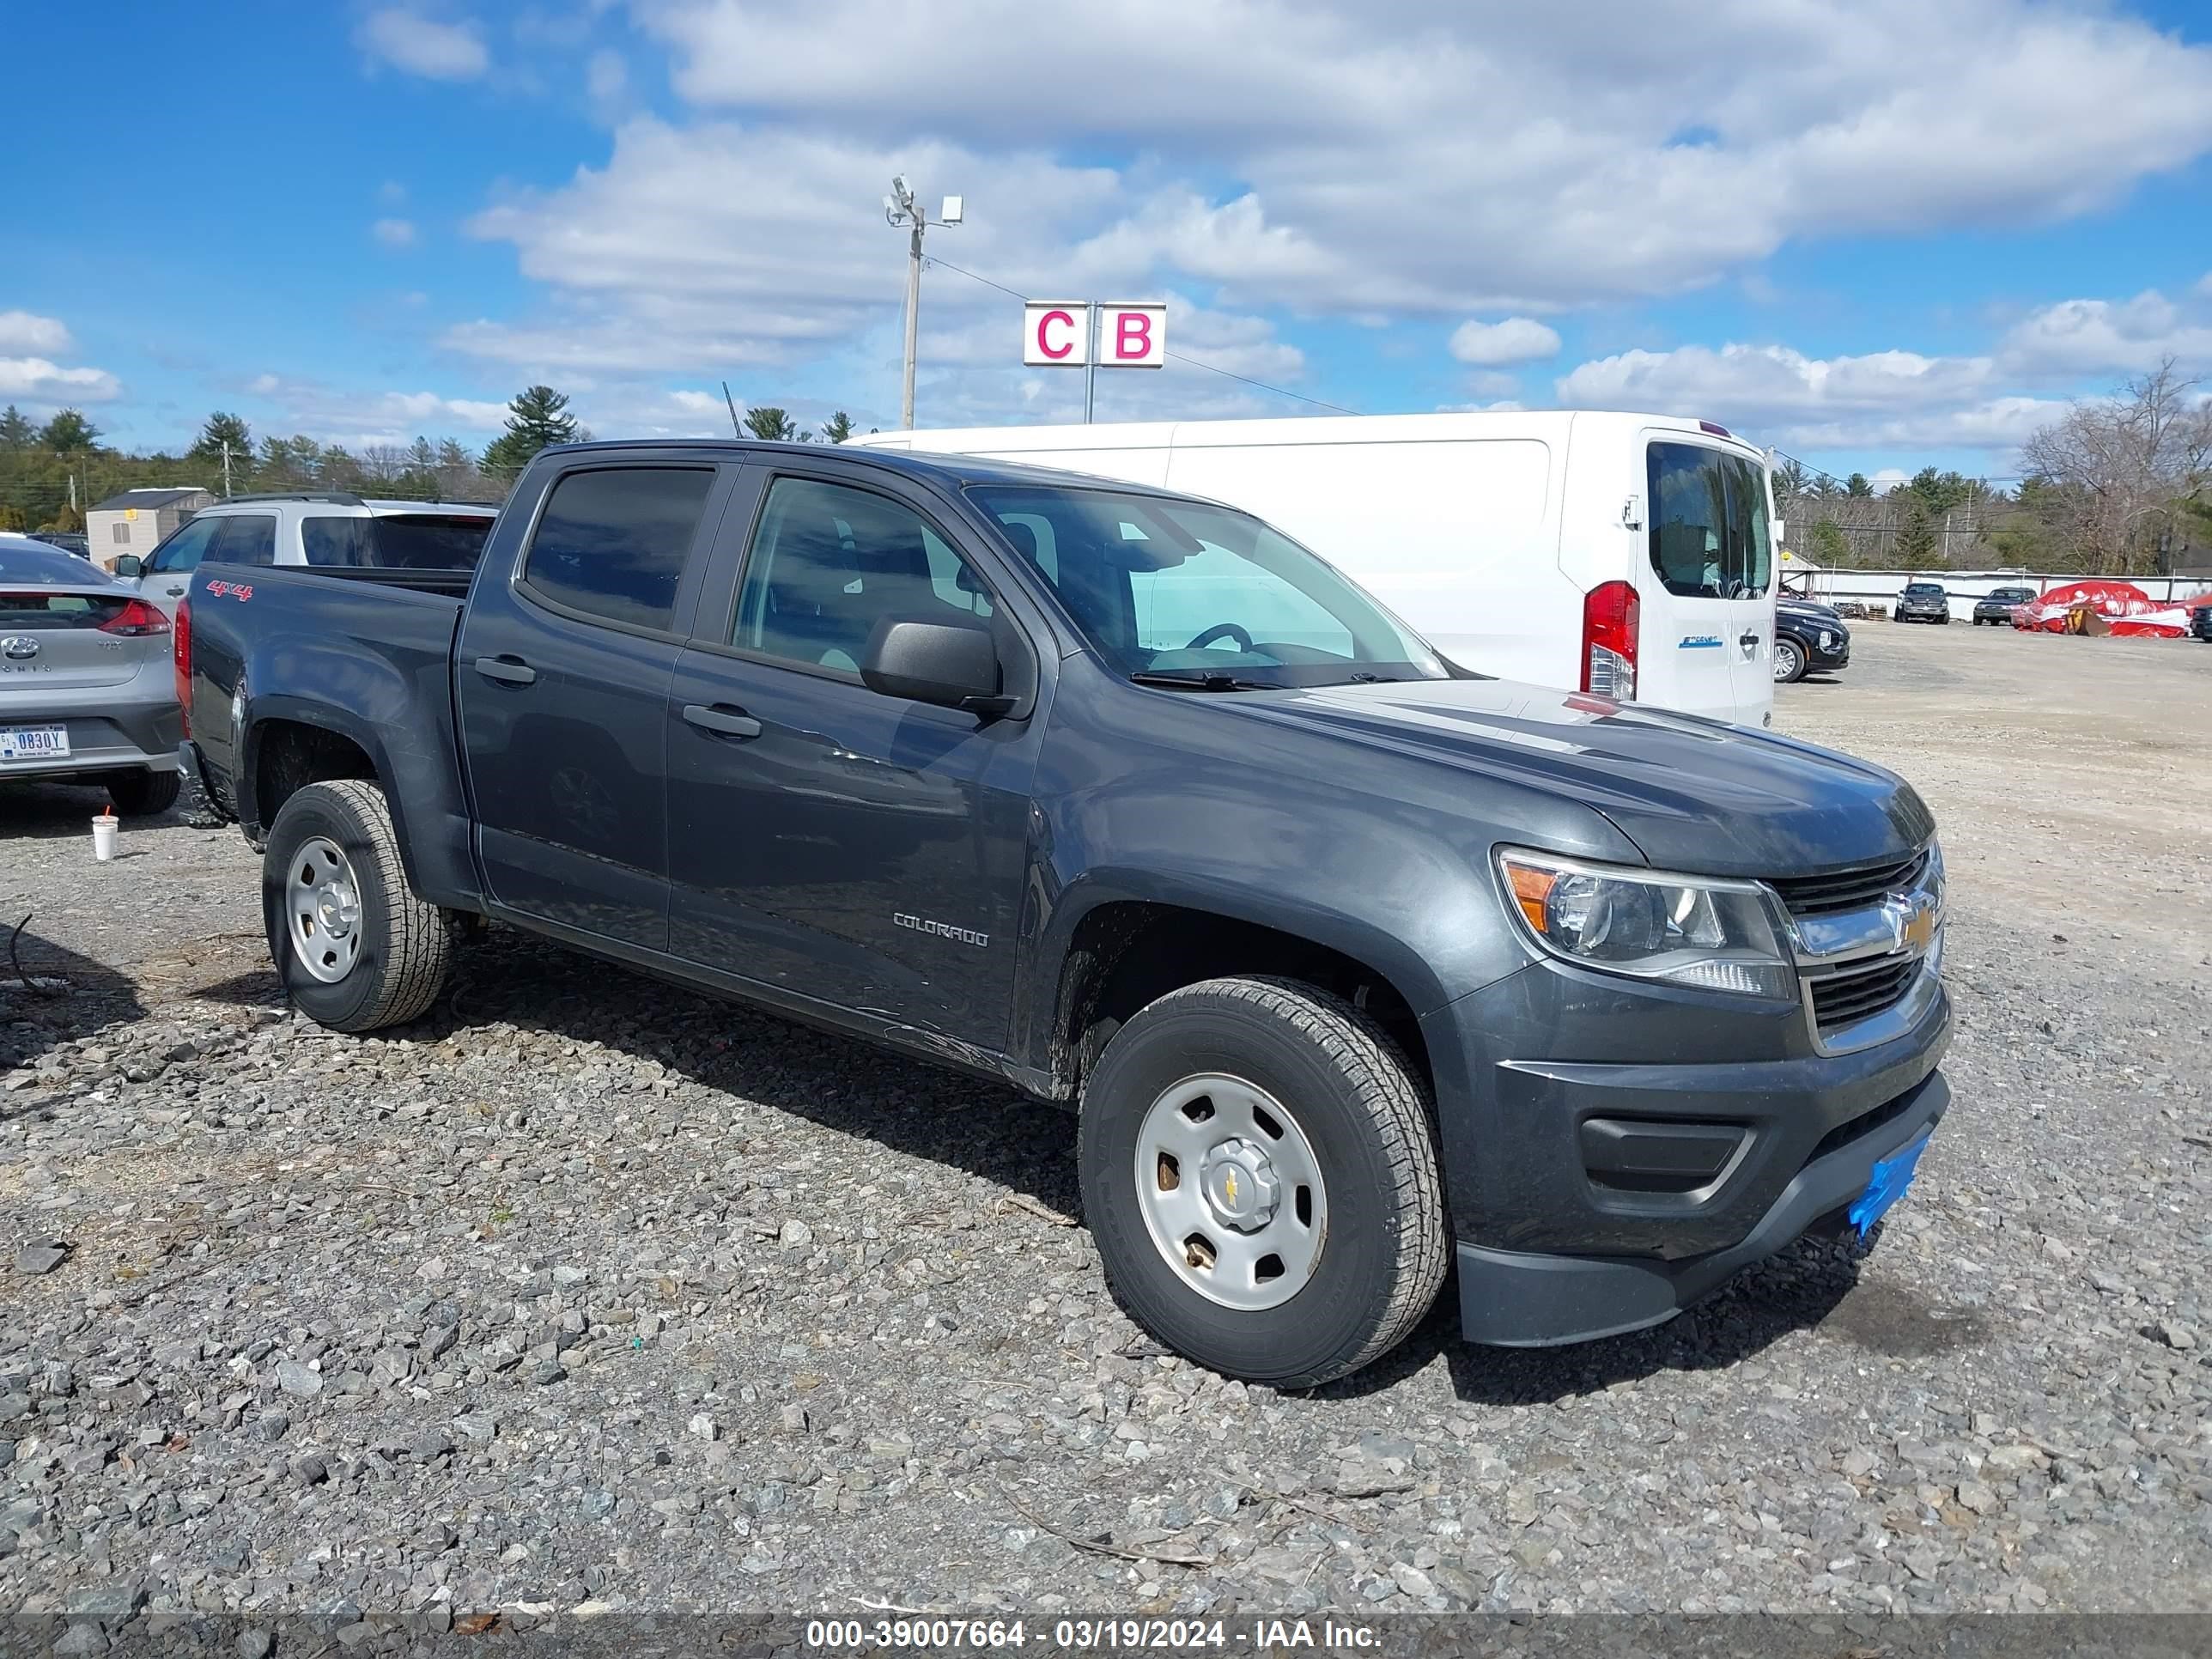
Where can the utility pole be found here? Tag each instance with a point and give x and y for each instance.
(735, 430)
(1090, 363)
(900, 209)
(225, 469)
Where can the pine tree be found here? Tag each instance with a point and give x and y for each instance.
(208, 448)
(536, 418)
(68, 432)
(837, 428)
(16, 431)
(771, 424)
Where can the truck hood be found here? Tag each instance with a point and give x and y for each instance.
(1694, 794)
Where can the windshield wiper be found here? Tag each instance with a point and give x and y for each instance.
(1198, 680)
(1363, 678)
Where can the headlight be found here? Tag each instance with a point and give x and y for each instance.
(1828, 641)
(1685, 930)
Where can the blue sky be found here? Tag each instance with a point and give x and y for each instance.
(1876, 234)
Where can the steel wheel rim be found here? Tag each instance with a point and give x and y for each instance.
(1231, 1192)
(322, 910)
(1785, 660)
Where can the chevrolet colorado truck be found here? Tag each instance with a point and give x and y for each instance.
(1356, 966)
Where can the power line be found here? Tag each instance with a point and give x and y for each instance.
(1180, 357)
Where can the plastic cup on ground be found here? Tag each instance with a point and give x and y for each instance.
(103, 837)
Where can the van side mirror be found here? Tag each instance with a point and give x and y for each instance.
(944, 663)
(130, 568)
(1780, 532)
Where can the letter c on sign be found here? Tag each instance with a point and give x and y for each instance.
(1045, 322)
(1132, 336)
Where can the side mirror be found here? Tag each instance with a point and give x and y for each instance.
(130, 568)
(941, 663)
(1779, 532)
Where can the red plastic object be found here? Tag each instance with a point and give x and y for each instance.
(2101, 606)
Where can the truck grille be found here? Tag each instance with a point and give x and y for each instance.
(1857, 992)
(1849, 889)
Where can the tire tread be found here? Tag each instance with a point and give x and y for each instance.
(1386, 1087)
(418, 942)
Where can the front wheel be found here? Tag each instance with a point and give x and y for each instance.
(356, 948)
(1788, 662)
(1258, 1172)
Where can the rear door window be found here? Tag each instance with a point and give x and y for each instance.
(397, 541)
(613, 542)
(1709, 535)
(244, 538)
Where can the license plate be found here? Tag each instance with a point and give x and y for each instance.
(33, 743)
(1891, 1175)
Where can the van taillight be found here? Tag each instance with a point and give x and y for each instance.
(1609, 628)
(180, 654)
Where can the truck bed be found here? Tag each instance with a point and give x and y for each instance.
(365, 655)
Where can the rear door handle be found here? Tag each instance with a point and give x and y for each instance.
(1748, 641)
(507, 670)
(722, 718)
(176, 593)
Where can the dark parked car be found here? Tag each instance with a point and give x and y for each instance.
(2200, 619)
(1808, 639)
(1995, 606)
(1355, 964)
(1923, 602)
(68, 540)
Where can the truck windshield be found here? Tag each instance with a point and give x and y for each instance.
(1203, 595)
(1709, 532)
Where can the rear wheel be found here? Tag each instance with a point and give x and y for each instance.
(356, 948)
(142, 793)
(1259, 1175)
(1788, 662)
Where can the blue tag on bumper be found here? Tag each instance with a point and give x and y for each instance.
(1891, 1175)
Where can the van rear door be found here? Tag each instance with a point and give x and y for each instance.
(1708, 606)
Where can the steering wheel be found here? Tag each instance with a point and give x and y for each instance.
(1231, 630)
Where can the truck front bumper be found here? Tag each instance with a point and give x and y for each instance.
(1608, 1193)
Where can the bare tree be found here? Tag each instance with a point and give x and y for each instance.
(2111, 473)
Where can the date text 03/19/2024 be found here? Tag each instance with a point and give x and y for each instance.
(1092, 1635)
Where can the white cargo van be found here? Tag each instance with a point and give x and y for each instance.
(1626, 554)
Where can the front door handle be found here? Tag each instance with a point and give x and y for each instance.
(507, 670)
(721, 718)
(1749, 642)
(176, 593)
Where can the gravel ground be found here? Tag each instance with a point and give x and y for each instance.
(589, 1290)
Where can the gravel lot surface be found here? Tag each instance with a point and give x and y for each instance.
(589, 1290)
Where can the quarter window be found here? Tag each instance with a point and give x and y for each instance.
(613, 542)
(828, 562)
(1709, 530)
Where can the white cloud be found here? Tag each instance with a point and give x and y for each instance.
(46, 384)
(423, 45)
(606, 81)
(2088, 336)
(1515, 340)
(394, 233)
(22, 331)
(391, 193)
(1484, 154)
(1775, 395)
(356, 418)
(721, 249)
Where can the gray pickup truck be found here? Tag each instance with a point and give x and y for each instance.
(1356, 965)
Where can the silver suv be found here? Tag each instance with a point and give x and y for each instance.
(317, 529)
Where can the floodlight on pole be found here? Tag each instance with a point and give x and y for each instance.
(900, 210)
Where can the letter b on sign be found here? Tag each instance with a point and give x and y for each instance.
(1134, 336)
